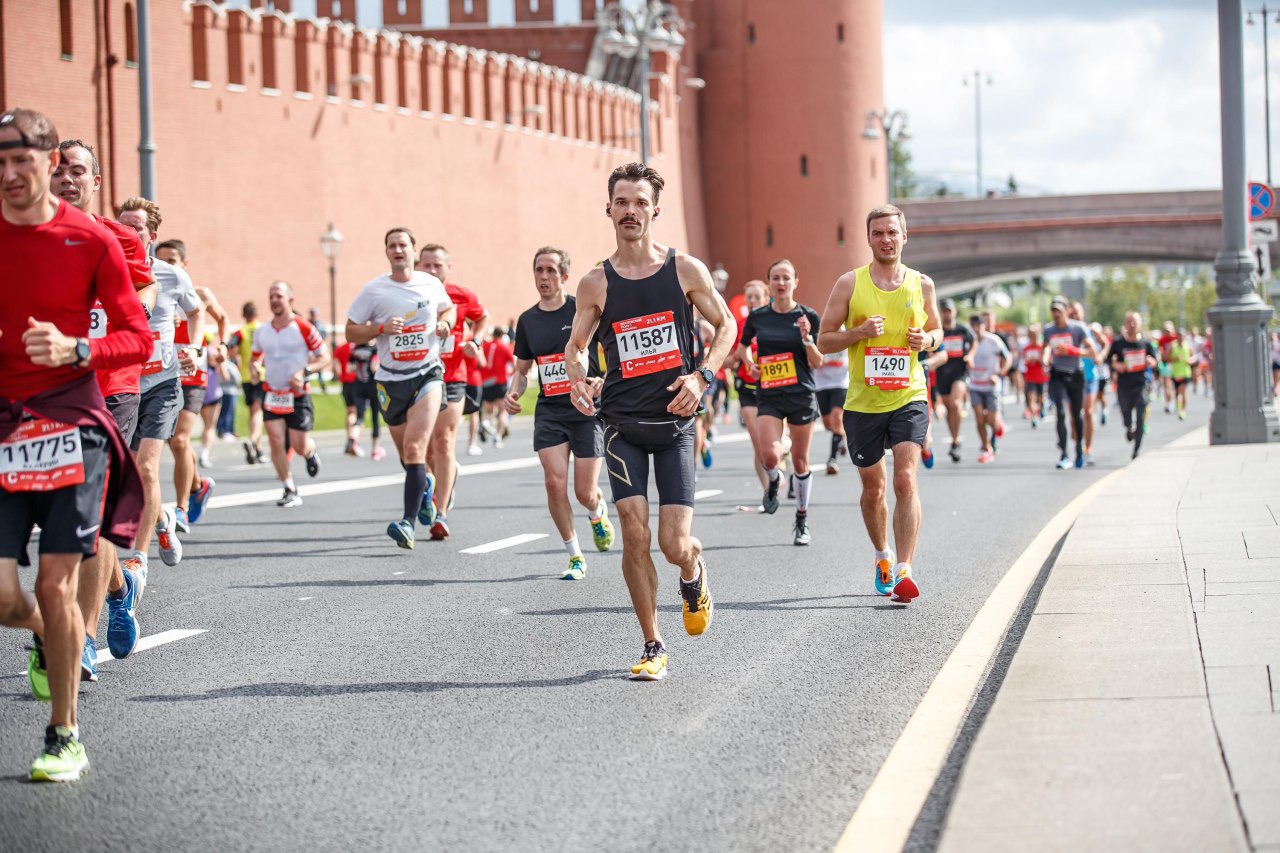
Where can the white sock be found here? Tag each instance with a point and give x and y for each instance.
(571, 545)
(696, 577)
(804, 485)
(899, 567)
(288, 484)
(599, 512)
(773, 473)
(884, 555)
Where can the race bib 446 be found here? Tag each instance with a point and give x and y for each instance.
(552, 375)
(647, 344)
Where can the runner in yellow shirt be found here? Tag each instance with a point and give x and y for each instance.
(883, 314)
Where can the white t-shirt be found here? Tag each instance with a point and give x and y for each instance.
(834, 372)
(285, 351)
(419, 301)
(985, 372)
(175, 294)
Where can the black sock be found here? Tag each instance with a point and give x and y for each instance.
(835, 445)
(415, 486)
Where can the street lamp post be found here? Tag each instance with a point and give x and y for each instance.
(331, 245)
(1266, 77)
(634, 34)
(146, 141)
(1243, 408)
(978, 83)
(893, 126)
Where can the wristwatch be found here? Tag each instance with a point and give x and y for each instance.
(707, 375)
(82, 352)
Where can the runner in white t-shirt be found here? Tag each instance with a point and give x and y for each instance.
(991, 362)
(408, 313)
(288, 348)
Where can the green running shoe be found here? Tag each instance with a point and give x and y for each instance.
(427, 512)
(602, 532)
(577, 569)
(37, 675)
(63, 759)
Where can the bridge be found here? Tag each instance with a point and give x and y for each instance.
(966, 243)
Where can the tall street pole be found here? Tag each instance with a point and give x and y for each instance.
(644, 98)
(1244, 409)
(146, 142)
(1266, 86)
(977, 123)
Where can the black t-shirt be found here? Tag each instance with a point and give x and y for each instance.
(363, 362)
(1125, 379)
(541, 337)
(784, 363)
(956, 341)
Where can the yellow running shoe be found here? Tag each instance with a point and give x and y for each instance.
(653, 663)
(577, 569)
(698, 607)
(602, 533)
(63, 758)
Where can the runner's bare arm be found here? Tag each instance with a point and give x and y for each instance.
(216, 311)
(695, 280)
(930, 337)
(446, 316)
(590, 303)
(832, 336)
(519, 383)
(360, 333)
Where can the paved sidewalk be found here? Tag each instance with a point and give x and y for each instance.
(1139, 712)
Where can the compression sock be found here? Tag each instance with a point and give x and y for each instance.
(804, 484)
(415, 486)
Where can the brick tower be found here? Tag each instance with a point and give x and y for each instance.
(786, 170)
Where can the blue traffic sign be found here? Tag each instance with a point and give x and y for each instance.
(1261, 200)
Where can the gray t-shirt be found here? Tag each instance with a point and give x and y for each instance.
(175, 293)
(986, 362)
(1074, 333)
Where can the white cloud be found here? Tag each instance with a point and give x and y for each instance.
(1077, 103)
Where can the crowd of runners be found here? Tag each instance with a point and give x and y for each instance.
(114, 353)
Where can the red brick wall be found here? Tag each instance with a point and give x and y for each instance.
(250, 179)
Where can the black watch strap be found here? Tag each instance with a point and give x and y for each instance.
(707, 375)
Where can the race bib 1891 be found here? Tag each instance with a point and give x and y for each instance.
(887, 368)
(41, 455)
(552, 375)
(647, 344)
(778, 371)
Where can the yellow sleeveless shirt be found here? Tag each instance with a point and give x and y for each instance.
(897, 377)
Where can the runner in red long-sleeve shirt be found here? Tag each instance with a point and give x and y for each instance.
(57, 440)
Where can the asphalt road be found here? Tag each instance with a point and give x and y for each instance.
(346, 694)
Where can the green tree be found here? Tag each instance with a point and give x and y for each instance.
(904, 177)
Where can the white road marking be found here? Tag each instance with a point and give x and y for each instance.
(103, 655)
(509, 542)
(707, 493)
(396, 574)
(153, 641)
(273, 494)
(891, 805)
(306, 598)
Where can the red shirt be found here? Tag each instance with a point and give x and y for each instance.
(469, 308)
(64, 267)
(124, 380)
(743, 373)
(342, 355)
(499, 357)
(1031, 355)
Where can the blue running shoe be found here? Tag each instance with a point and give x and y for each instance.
(88, 669)
(427, 512)
(122, 624)
(1079, 460)
(884, 575)
(706, 456)
(401, 532)
(180, 522)
(198, 499)
(927, 459)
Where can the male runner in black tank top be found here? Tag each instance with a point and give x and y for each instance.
(640, 300)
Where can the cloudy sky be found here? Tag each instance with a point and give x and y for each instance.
(1085, 96)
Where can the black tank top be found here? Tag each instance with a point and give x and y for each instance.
(647, 331)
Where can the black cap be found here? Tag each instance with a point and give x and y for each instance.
(948, 305)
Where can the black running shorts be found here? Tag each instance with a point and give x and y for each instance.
(70, 518)
(397, 397)
(193, 398)
(302, 418)
(795, 409)
(124, 408)
(158, 409)
(747, 398)
(629, 445)
(584, 437)
(870, 434)
(830, 399)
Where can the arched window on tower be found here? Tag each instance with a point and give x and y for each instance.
(804, 165)
(840, 33)
(130, 37)
(751, 33)
(840, 234)
(768, 235)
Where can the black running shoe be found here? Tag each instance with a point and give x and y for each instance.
(770, 501)
(313, 464)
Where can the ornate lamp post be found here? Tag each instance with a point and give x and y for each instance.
(893, 126)
(331, 245)
(634, 34)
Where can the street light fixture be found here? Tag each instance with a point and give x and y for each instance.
(634, 35)
(720, 277)
(1266, 76)
(978, 83)
(893, 127)
(331, 245)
